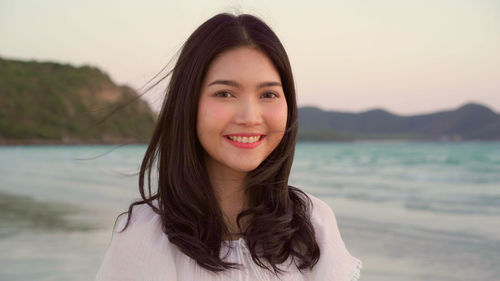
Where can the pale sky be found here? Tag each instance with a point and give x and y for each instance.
(408, 57)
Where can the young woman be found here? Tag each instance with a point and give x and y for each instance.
(222, 151)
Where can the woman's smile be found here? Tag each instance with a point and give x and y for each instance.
(245, 141)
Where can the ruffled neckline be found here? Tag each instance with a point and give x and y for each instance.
(240, 242)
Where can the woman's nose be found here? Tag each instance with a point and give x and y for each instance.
(248, 113)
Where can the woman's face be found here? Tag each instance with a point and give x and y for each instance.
(242, 111)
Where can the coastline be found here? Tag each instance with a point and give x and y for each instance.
(125, 141)
(36, 142)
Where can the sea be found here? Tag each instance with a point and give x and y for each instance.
(408, 210)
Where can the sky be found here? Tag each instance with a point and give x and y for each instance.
(407, 57)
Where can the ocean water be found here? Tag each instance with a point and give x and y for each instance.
(409, 211)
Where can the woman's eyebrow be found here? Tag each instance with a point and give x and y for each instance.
(238, 85)
(226, 82)
(268, 84)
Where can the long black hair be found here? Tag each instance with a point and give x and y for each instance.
(279, 224)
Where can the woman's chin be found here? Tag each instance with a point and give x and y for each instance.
(245, 169)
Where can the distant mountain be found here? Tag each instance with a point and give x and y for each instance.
(43, 102)
(469, 122)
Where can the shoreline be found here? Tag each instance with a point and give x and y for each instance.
(38, 142)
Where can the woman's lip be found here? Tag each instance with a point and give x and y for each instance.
(245, 135)
(245, 145)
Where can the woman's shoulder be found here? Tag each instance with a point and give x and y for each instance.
(323, 219)
(318, 206)
(335, 260)
(139, 246)
(140, 216)
(319, 211)
(144, 230)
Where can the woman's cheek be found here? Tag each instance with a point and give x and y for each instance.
(276, 116)
(217, 111)
(215, 115)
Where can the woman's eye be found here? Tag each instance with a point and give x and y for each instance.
(269, 95)
(223, 94)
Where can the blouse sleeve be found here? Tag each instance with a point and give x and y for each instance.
(335, 262)
(136, 253)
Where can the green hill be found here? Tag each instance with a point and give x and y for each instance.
(43, 102)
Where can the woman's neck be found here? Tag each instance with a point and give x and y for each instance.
(229, 190)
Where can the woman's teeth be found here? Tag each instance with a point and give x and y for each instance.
(244, 139)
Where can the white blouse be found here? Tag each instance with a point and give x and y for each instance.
(143, 252)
